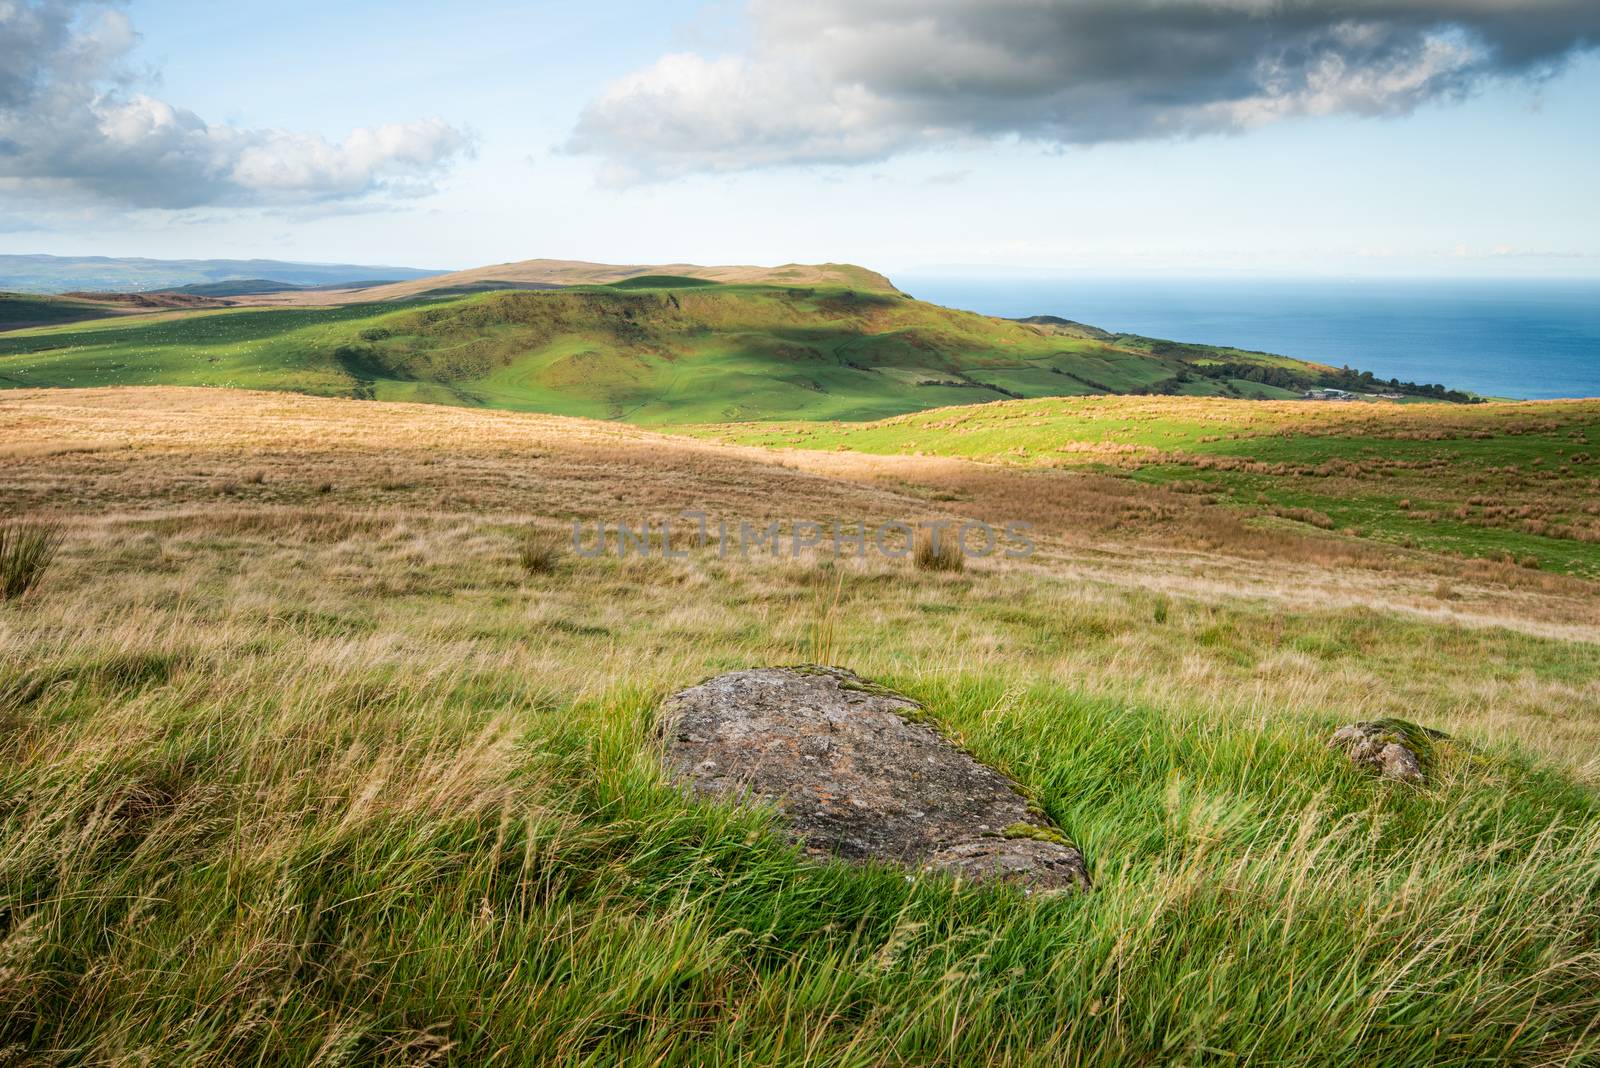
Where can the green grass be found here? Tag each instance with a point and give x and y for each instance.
(661, 281)
(1491, 492)
(1515, 482)
(249, 349)
(26, 552)
(369, 774)
(17, 309)
(230, 839)
(654, 350)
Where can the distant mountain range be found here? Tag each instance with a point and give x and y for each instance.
(65, 274)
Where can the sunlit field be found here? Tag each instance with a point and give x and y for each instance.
(1515, 482)
(310, 760)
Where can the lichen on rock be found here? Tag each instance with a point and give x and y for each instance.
(1396, 749)
(858, 774)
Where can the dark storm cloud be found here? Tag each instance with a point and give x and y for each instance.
(840, 81)
(71, 128)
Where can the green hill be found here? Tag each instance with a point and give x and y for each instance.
(660, 349)
(250, 287)
(21, 310)
(561, 274)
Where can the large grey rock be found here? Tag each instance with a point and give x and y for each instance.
(856, 778)
(1394, 748)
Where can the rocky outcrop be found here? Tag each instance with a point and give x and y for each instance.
(1394, 748)
(857, 776)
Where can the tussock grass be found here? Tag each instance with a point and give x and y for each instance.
(336, 844)
(27, 549)
(538, 552)
(325, 786)
(937, 552)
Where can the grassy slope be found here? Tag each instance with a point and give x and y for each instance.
(299, 775)
(1516, 481)
(19, 310)
(539, 274)
(687, 353)
(247, 349)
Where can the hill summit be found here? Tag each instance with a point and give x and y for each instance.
(555, 274)
(658, 347)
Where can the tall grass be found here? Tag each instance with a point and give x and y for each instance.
(938, 551)
(292, 784)
(309, 858)
(821, 637)
(27, 549)
(538, 552)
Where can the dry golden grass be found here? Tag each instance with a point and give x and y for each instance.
(26, 551)
(431, 501)
(539, 552)
(1131, 422)
(307, 775)
(937, 551)
(578, 273)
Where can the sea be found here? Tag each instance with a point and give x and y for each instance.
(1522, 339)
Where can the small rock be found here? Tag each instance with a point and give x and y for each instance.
(1026, 860)
(855, 778)
(1394, 748)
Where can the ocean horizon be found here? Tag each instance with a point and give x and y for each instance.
(1525, 339)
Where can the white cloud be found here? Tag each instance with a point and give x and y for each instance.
(852, 81)
(71, 127)
(732, 114)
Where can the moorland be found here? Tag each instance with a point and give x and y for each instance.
(324, 746)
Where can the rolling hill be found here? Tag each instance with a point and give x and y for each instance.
(25, 311)
(62, 274)
(652, 349)
(553, 274)
(250, 287)
(19, 311)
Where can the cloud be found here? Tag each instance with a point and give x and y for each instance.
(72, 126)
(16, 224)
(854, 81)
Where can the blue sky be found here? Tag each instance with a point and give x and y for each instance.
(1495, 176)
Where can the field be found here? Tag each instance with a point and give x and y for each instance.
(652, 350)
(1514, 482)
(20, 312)
(304, 766)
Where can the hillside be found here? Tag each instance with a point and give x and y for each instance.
(251, 287)
(309, 760)
(61, 274)
(548, 274)
(650, 350)
(20, 311)
(1512, 482)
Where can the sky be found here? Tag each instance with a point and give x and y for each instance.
(1120, 137)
